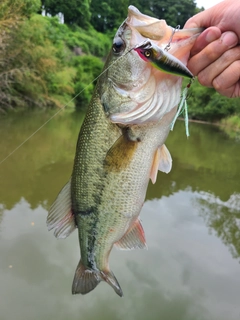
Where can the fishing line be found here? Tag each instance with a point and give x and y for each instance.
(61, 109)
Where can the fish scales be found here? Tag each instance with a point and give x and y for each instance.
(121, 146)
(104, 200)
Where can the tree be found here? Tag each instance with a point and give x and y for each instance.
(12, 15)
(34, 70)
(174, 12)
(223, 217)
(208, 105)
(109, 14)
(74, 11)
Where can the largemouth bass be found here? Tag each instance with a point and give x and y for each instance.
(120, 147)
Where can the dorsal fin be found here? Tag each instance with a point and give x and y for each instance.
(134, 238)
(60, 216)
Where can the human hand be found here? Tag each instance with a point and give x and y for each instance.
(224, 15)
(215, 57)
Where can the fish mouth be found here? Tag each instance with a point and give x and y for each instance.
(177, 41)
(148, 94)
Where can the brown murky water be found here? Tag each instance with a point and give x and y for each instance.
(191, 217)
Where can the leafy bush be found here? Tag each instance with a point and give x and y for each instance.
(88, 69)
(208, 105)
(38, 64)
(44, 63)
(36, 71)
(91, 41)
(232, 122)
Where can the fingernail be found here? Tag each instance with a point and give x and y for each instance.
(211, 36)
(229, 39)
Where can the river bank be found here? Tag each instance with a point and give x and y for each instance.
(230, 125)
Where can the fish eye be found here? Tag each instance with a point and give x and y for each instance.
(148, 53)
(118, 45)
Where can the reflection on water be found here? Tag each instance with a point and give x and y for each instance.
(191, 219)
(224, 218)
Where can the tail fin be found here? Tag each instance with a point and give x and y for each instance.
(85, 280)
(110, 278)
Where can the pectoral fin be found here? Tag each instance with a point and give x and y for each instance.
(165, 164)
(162, 161)
(60, 216)
(120, 154)
(134, 238)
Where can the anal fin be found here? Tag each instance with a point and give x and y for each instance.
(134, 238)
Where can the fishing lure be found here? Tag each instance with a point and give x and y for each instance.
(166, 62)
(162, 60)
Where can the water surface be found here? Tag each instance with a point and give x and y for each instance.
(191, 218)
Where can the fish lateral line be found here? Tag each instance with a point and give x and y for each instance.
(87, 212)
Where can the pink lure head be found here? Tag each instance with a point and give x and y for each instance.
(141, 52)
(145, 50)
